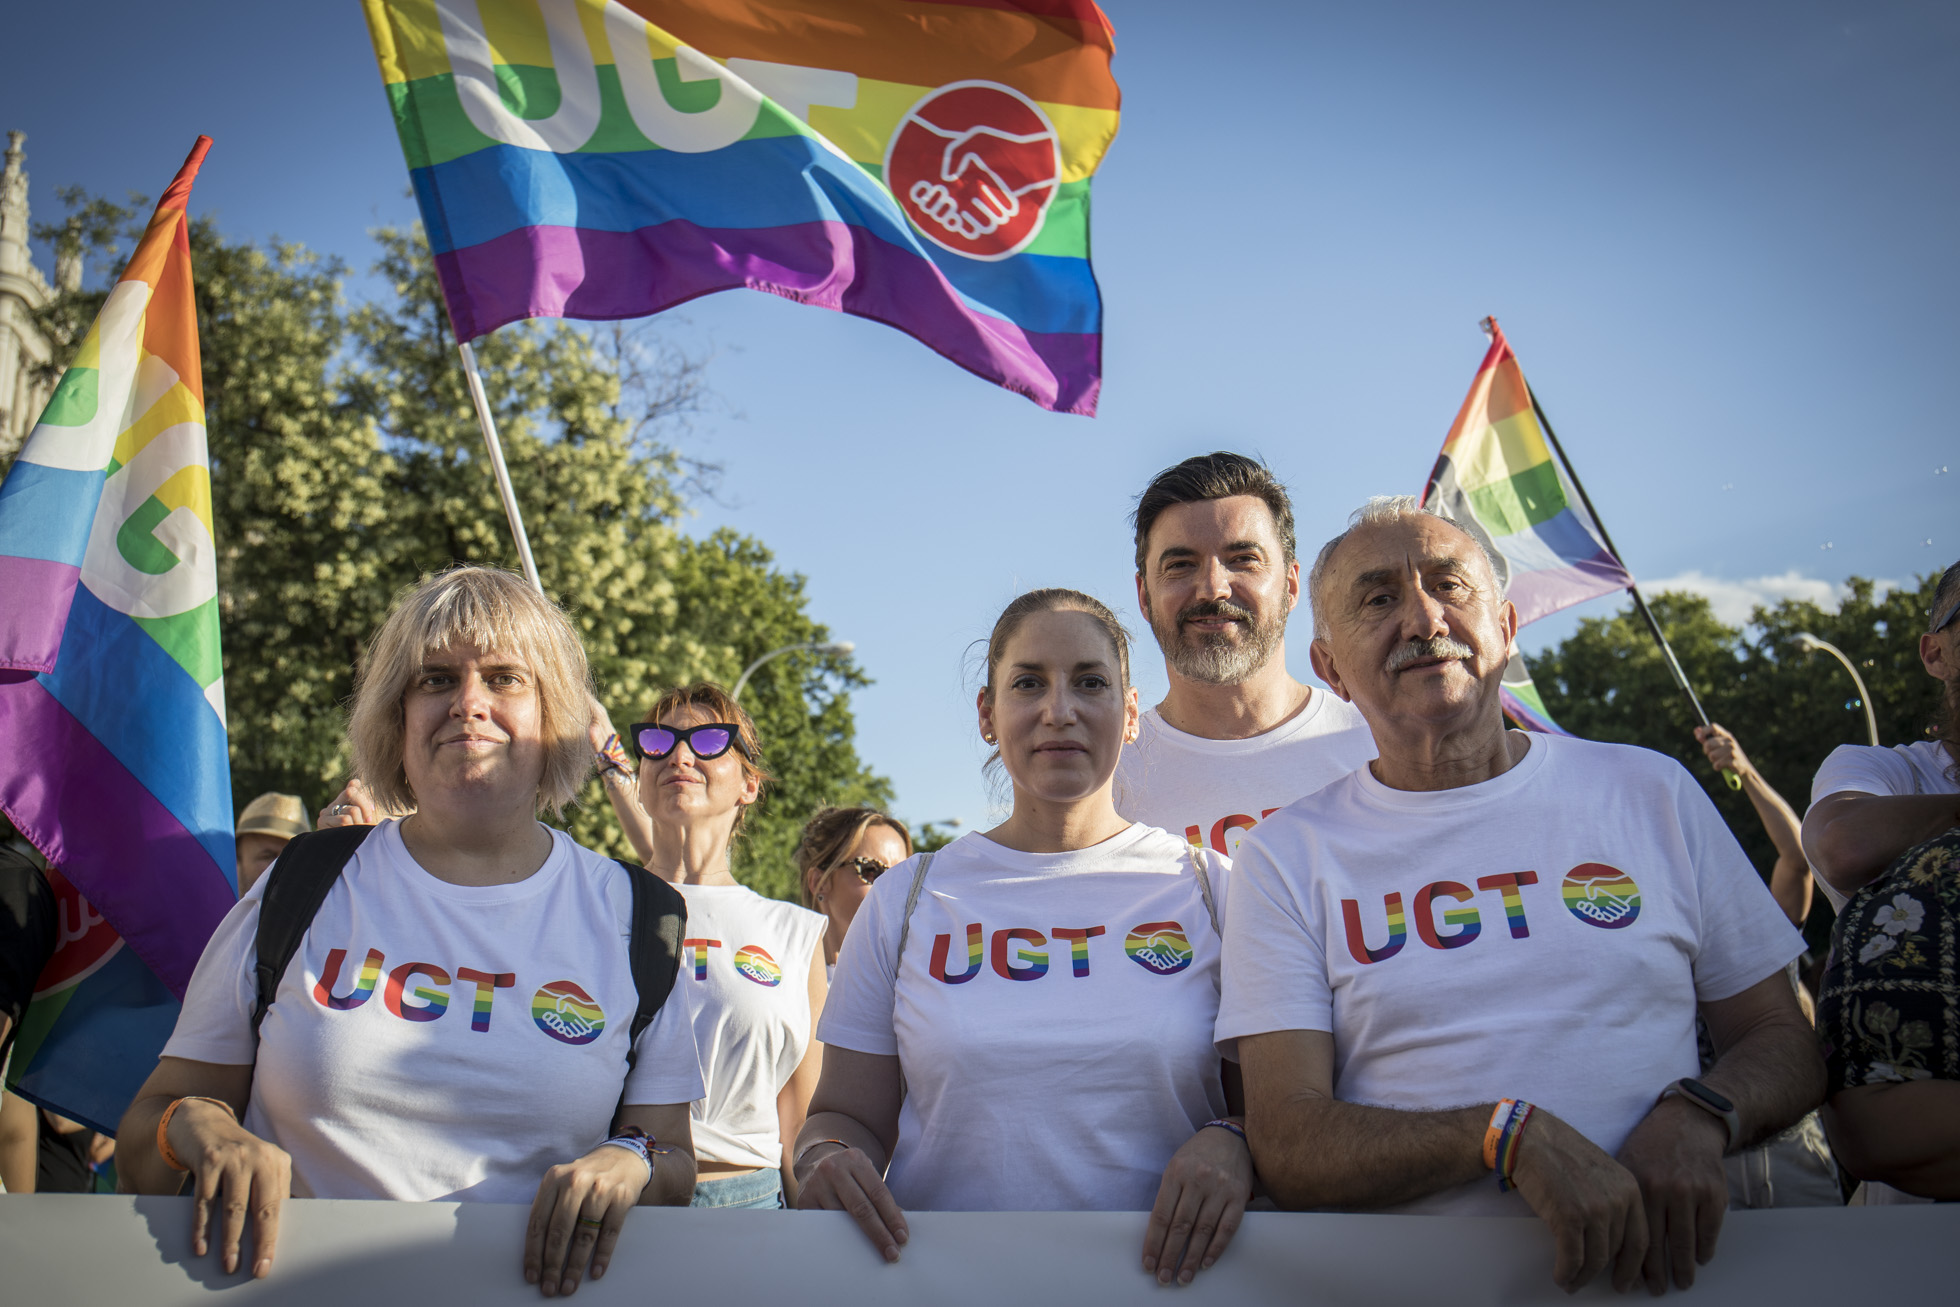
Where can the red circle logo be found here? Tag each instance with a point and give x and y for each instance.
(83, 940)
(974, 165)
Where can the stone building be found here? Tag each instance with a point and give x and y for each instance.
(25, 381)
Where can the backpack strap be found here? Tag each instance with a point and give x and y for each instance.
(659, 922)
(911, 902)
(295, 887)
(1204, 888)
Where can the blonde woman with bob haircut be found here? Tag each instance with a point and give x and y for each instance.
(454, 1024)
(756, 972)
(1023, 1019)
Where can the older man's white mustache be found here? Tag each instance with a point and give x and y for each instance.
(1438, 647)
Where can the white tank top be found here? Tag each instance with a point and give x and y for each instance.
(747, 962)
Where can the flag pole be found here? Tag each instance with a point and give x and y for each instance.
(489, 426)
(1639, 601)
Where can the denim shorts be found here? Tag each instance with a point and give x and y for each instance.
(758, 1189)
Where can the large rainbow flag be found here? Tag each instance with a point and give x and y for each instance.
(1499, 478)
(924, 163)
(111, 689)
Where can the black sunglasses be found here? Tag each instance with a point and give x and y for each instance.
(867, 869)
(708, 740)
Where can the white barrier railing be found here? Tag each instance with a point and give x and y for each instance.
(103, 1251)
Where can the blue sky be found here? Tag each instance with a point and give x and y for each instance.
(1719, 237)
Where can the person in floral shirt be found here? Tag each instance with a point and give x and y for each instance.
(1889, 1019)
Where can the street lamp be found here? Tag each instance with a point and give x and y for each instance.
(1809, 641)
(840, 648)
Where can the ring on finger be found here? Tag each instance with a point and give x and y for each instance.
(586, 1220)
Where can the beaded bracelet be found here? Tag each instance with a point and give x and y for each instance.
(164, 1149)
(1223, 1124)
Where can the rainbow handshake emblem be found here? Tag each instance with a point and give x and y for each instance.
(924, 163)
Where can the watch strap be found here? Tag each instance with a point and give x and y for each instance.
(1711, 1102)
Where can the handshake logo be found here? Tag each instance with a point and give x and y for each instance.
(975, 165)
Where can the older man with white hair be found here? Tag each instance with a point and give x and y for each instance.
(1464, 978)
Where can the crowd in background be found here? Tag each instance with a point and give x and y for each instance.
(1260, 945)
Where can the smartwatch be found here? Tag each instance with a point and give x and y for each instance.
(1710, 1102)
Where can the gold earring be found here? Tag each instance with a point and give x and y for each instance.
(988, 738)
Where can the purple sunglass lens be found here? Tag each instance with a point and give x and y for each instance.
(656, 741)
(706, 744)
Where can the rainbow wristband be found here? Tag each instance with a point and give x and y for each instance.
(1223, 1124)
(1507, 1146)
(1500, 1117)
(611, 756)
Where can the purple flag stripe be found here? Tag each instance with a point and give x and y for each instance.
(39, 595)
(542, 272)
(1542, 593)
(109, 835)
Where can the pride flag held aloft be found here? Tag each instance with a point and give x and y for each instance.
(1503, 482)
(924, 163)
(111, 688)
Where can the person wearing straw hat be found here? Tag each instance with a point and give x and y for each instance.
(264, 829)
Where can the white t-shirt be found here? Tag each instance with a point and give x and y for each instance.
(1053, 1020)
(1212, 791)
(438, 1041)
(747, 960)
(1916, 768)
(1545, 935)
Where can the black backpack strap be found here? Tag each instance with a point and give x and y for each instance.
(659, 922)
(295, 887)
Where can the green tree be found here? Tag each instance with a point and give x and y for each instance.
(347, 462)
(1789, 708)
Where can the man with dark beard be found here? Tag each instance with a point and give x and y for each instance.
(1236, 738)
(1869, 805)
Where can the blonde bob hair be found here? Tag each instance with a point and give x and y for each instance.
(491, 609)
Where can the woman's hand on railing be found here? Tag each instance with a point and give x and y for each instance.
(577, 1216)
(1199, 1205)
(844, 1180)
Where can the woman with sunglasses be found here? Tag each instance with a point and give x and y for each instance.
(1025, 1022)
(841, 852)
(754, 965)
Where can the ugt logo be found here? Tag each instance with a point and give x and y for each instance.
(975, 165)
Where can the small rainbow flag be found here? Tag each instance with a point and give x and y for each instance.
(1500, 480)
(925, 163)
(111, 687)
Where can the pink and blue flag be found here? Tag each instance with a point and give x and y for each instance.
(111, 685)
(924, 163)
(1501, 480)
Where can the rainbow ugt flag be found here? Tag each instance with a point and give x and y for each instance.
(1499, 479)
(111, 688)
(924, 163)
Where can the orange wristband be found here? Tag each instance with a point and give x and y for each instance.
(163, 1124)
(1499, 1118)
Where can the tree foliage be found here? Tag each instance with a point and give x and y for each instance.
(1787, 707)
(347, 463)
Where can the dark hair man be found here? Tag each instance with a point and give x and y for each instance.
(1869, 805)
(1484, 951)
(1236, 738)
